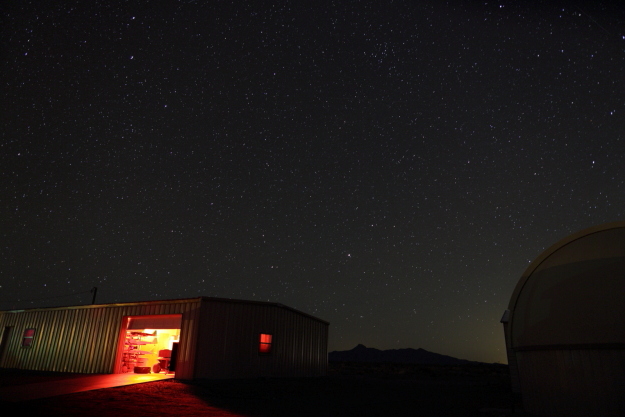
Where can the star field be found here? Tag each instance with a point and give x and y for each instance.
(391, 168)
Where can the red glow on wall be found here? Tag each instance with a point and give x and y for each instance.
(265, 343)
(27, 340)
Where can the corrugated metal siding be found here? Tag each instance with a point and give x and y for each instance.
(228, 341)
(573, 383)
(86, 339)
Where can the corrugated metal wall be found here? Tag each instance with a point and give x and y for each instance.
(573, 382)
(228, 341)
(218, 338)
(85, 339)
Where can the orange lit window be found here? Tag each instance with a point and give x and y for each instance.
(265, 343)
(29, 334)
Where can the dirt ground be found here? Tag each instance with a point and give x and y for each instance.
(350, 389)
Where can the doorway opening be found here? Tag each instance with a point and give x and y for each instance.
(148, 344)
(4, 342)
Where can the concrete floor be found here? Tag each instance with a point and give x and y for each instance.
(69, 386)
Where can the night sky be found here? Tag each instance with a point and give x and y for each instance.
(390, 167)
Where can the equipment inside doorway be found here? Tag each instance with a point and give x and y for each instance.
(150, 349)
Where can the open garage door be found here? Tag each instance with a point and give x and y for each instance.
(148, 344)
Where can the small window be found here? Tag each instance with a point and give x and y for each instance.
(265, 343)
(27, 340)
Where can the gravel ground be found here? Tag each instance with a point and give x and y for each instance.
(350, 389)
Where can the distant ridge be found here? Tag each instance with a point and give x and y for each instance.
(362, 353)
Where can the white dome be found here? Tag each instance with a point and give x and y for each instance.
(574, 292)
(565, 328)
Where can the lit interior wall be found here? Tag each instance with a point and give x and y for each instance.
(162, 339)
(141, 345)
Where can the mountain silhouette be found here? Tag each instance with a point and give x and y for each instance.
(362, 353)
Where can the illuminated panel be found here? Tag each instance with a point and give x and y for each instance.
(27, 340)
(265, 343)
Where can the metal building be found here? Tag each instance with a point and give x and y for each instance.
(195, 338)
(565, 327)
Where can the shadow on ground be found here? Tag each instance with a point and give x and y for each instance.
(350, 389)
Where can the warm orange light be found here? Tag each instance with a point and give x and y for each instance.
(265, 343)
(142, 350)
